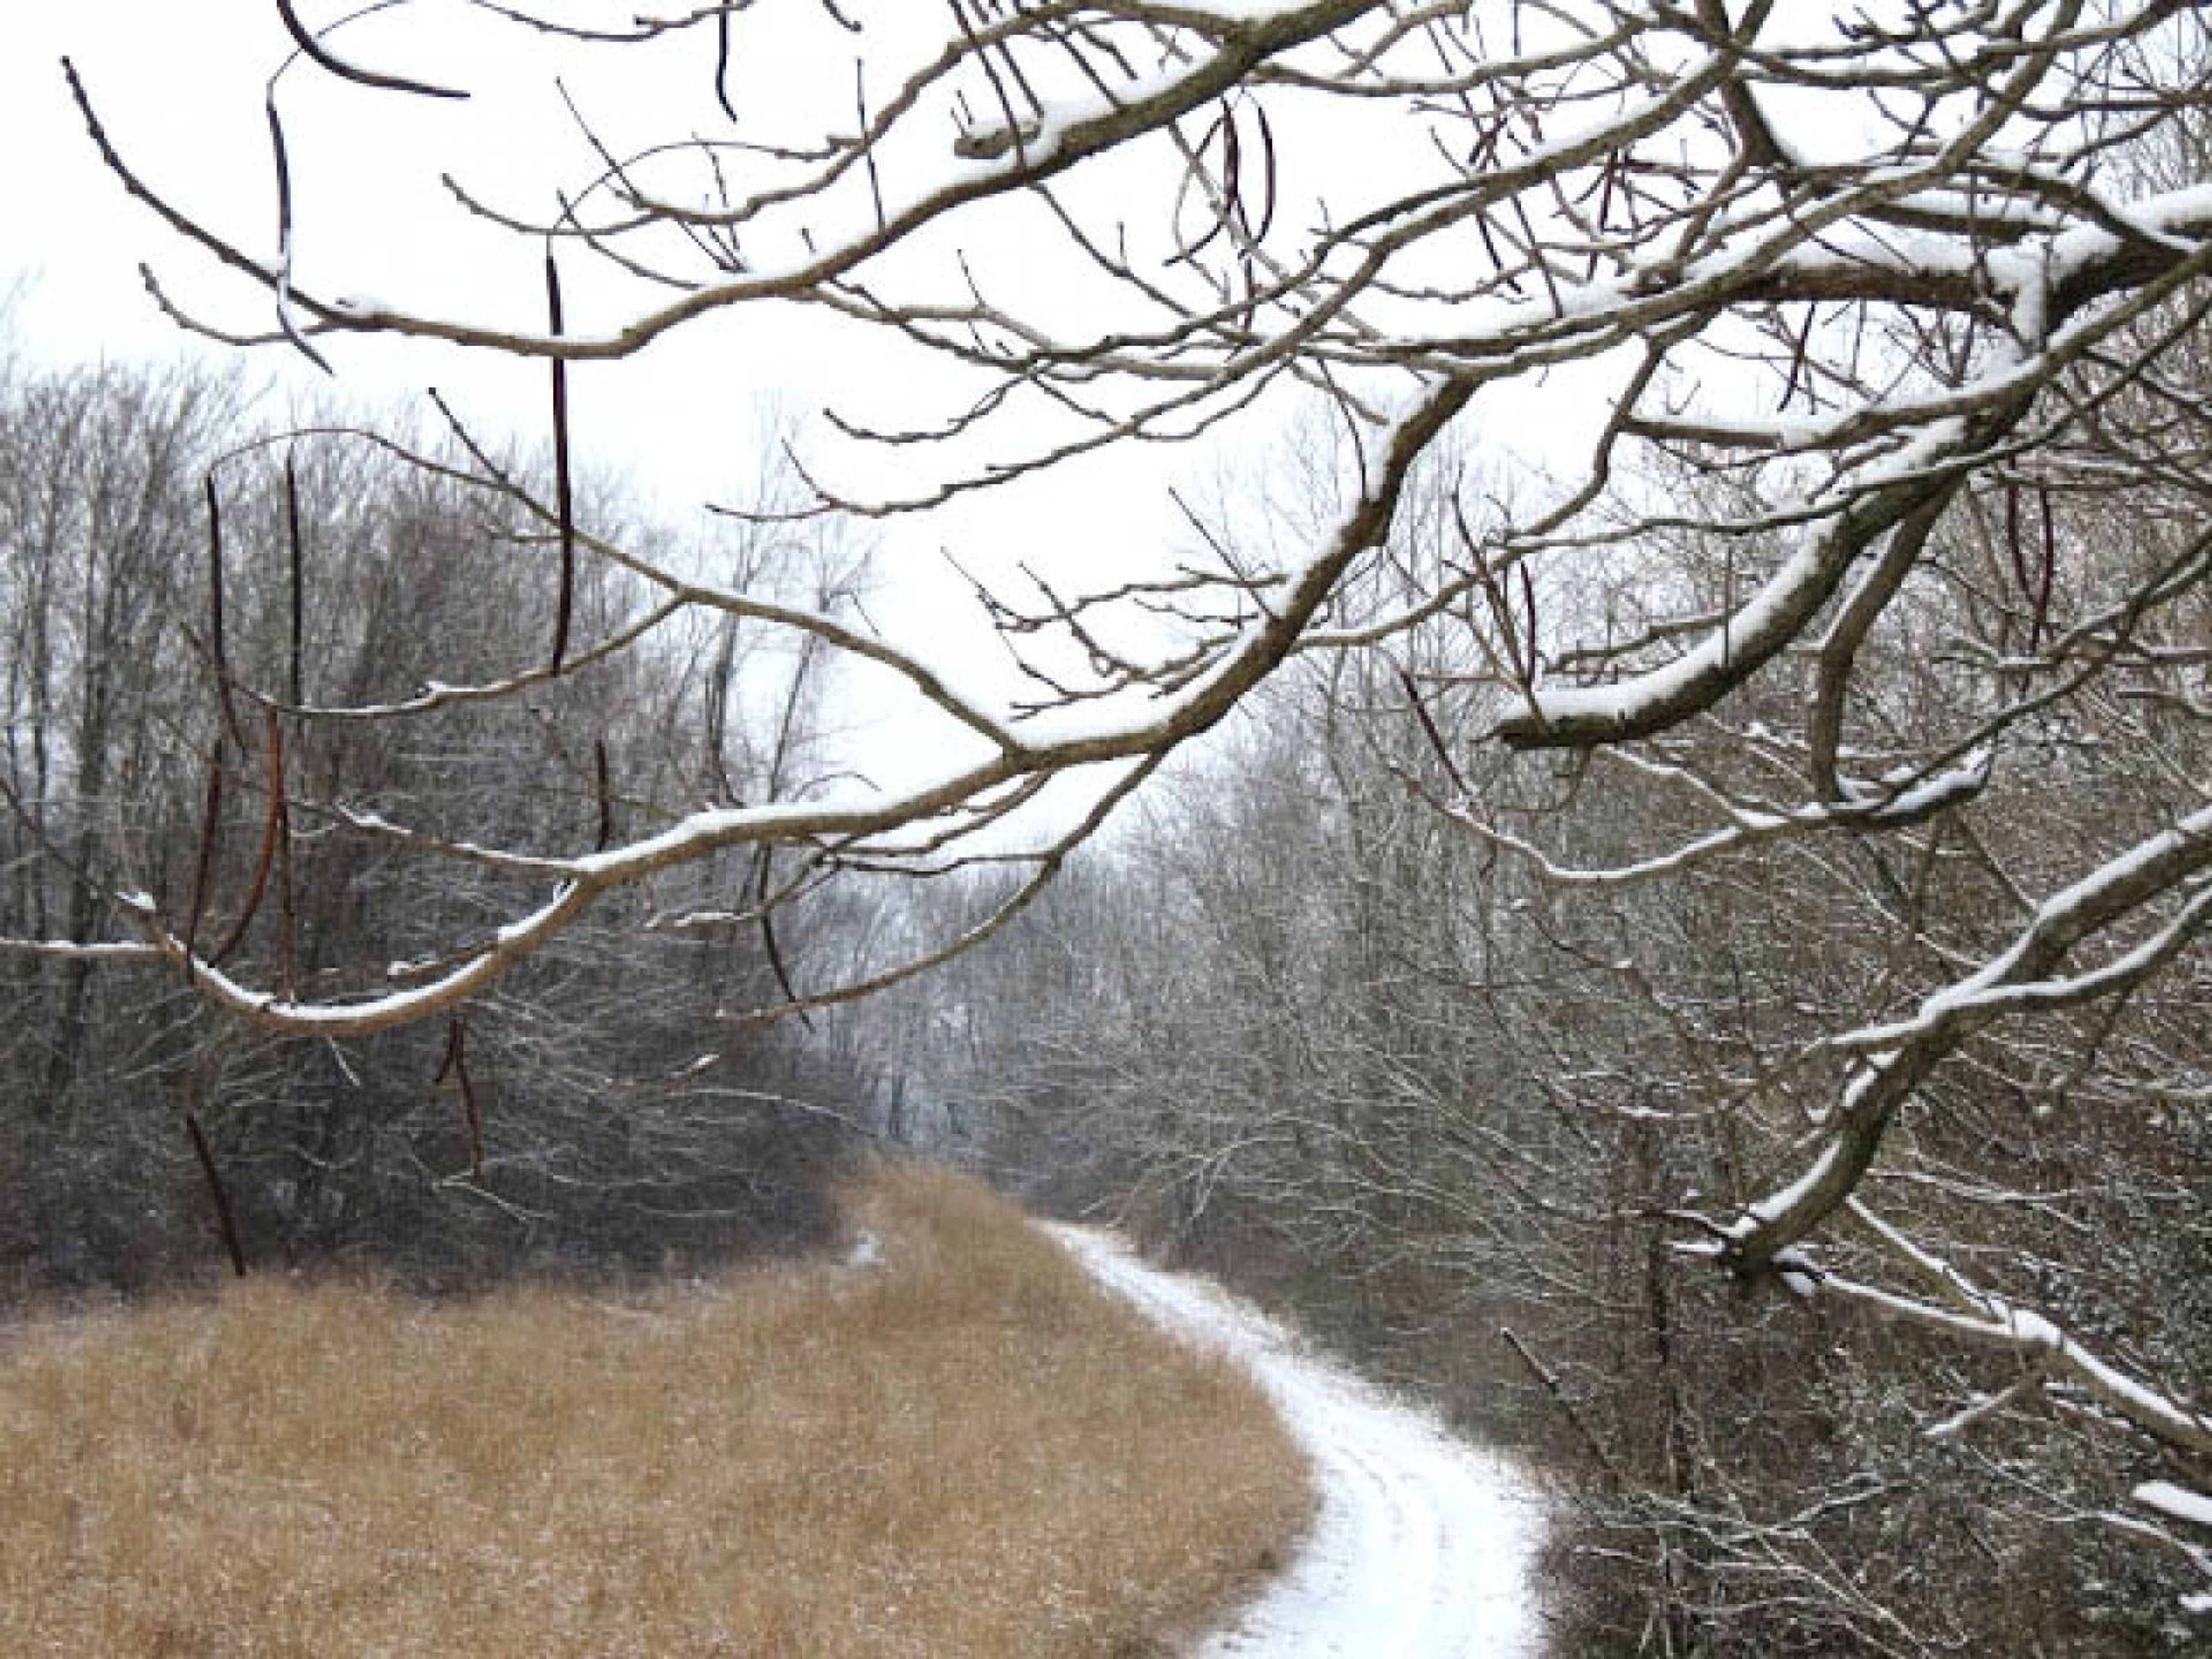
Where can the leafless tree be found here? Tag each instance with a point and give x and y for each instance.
(1887, 324)
(142, 526)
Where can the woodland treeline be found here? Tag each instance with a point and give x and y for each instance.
(1306, 1023)
(1687, 944)
(1295, 1021)
(597, 1113)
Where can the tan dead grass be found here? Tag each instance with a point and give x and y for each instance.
(965, 1451)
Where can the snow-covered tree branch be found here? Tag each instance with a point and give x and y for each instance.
(1768, 452)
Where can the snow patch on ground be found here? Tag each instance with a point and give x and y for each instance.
(1425, 1547)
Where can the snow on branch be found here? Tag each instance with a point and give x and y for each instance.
(1896, 1059)
(2052, 1353)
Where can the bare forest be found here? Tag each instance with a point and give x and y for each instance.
(1642, 861)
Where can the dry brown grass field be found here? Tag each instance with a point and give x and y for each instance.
(963, 1450)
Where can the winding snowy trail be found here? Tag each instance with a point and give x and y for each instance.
(1423, 1547)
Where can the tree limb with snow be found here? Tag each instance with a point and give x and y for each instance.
(1880, 499)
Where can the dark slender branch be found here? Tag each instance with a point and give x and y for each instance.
(285, 319)
(217, 648)
(1429, 730)
(722, 64)
(225, 1221)
(455, 1065)
(564, 485)
(295, 540)
(763, 874)
(868, 151)
(210, 832)
(271, 827)
(602, 783)
(288, 914)
(1557, 1390)
(325, 58)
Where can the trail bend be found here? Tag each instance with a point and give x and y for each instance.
(1423, 1546)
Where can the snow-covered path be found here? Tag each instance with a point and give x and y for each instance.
(1423, 1546)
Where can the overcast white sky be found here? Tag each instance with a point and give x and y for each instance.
(181, 87)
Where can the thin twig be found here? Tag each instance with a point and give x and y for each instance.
(564, 504)
(225, 1221)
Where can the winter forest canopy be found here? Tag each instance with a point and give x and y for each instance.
(1715, 889)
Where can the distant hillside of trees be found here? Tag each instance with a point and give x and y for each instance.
(1421, 1040)
(594, 1111)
